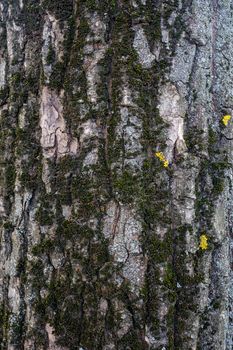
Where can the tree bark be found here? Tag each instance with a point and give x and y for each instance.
(116, 166)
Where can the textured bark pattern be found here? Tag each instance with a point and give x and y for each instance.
(99, 241)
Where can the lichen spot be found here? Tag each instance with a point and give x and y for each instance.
(162, 158)
(203, 242)
(226, 119)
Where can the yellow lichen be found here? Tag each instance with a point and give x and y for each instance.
(226, 119)
(162, 158)
(160, 155)
(203, 242)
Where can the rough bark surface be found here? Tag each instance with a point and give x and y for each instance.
(99, 241)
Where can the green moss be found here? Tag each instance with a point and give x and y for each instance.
(101, 7)
(8, 226)
(152, 24)
(99, 254)
(3, 35)
(82, 189)
(206, 196)
(69, 38)
(17, 328)
(216, 304)
(4, 94)
(10, 175)
(68, 229)
(31, 178)
(20, 267)
(31, 15)
(144, 292)
(62, 9)
(213, 137)
(45, 247)
(195, 140)
(51, 56)
(132, 341)
(32, 81)
(157, 212)
(36, 275)
(83, 31)
(177, 29)
(184, 228)
(28, 149)
(44, 215)
(18, 91)
(160, 250)
(218, 185)
(67, 319)
(126, 186)
(67, 164)
(4, 325)
(57, 75)
(16, 79)
(220, 166)
(169, 277)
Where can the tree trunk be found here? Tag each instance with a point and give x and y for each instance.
(116, 177)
